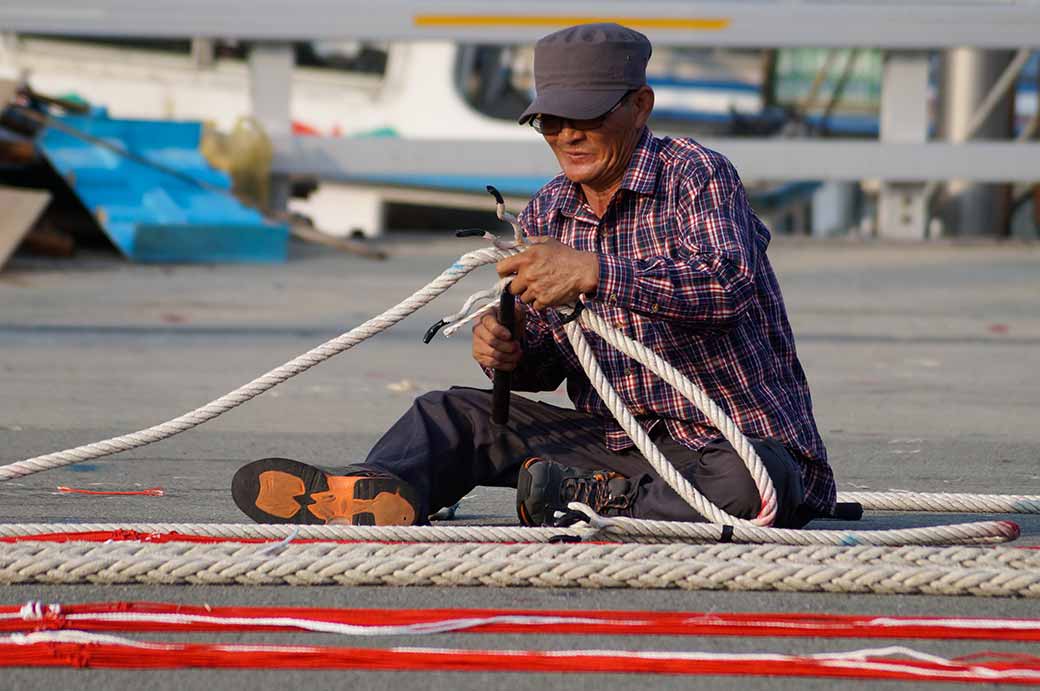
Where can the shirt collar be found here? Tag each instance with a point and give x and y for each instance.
(640, 176)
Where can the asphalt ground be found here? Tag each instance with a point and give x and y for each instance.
(924, 363)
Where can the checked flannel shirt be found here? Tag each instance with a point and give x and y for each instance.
(683, 270)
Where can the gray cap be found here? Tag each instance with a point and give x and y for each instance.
(582, 71)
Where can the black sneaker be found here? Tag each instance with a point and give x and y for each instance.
(280, 490)
(544, 487)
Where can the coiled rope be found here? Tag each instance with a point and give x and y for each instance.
(733, 529)
(642, 440)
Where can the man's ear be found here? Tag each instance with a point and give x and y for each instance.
(644, 103)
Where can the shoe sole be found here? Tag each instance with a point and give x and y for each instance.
(281, 490)
(523, 489)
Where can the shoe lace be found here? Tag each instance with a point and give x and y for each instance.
(593, 491)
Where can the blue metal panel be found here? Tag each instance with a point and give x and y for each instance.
(151, 215)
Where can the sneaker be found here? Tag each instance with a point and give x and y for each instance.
(544, 487)
(280, 490)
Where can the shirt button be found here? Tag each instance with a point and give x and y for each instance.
(619, 324)
(613, 297)
(655, 307)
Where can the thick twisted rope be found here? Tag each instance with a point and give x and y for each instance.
(467, 564)
(235, 398)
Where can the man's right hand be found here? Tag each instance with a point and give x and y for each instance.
(493, 346)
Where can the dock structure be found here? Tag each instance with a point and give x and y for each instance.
(905, 159)
(923, 362)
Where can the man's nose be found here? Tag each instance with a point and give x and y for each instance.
(569, 133)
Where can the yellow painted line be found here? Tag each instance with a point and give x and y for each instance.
(504, 20)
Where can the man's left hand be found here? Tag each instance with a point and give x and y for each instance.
(549, 273)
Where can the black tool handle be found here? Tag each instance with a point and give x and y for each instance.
(503, 380)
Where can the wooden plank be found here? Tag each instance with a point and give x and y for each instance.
(21, 209)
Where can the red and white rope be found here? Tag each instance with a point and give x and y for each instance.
(83, 649)
(166, 617)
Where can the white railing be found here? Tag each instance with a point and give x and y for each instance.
(904, 160)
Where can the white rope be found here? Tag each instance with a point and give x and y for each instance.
(384, 321)
(232, 400)
(468, 564)
(941, 502)
(692, 393)
(83, 637)
(454, 322)
(614, 529)
(461, 318)
(643, 530)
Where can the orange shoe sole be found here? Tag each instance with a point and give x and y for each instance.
(281, 490)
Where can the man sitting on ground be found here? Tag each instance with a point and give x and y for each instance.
(655, 235)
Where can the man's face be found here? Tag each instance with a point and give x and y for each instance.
(597, 158)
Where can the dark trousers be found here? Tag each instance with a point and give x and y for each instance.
(446, 444)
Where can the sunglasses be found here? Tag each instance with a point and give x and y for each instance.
(552, 124)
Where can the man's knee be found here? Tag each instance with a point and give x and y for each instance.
(721, 476)
(786, 475)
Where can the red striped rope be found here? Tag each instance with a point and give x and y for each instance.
(150, 492)
(124, 535)
(157, 616)
(896, 663)
(138, 536)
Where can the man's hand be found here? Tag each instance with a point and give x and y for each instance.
(493, 346)
(550, 273)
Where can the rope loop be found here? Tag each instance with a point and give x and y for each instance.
(739, 530)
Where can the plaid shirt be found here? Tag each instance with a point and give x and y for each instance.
(683, 270)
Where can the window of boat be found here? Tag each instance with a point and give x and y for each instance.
(343, 56)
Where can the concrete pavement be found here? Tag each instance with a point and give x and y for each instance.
(924, 363)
